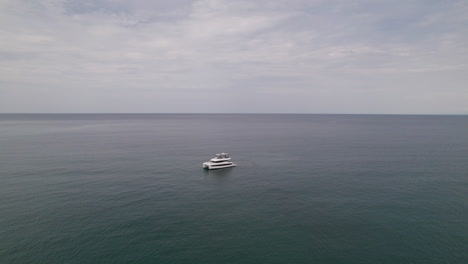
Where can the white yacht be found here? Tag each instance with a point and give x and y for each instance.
(220, 161)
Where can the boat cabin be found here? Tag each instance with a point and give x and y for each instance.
(220, 161)
(222, 156)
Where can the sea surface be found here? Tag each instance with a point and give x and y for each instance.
(130, 188)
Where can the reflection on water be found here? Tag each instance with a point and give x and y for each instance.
(220, 175)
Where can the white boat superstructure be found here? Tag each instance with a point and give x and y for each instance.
(220, 161)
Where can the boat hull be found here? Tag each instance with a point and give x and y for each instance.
(208, 166)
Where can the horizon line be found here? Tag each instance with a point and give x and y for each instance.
(201, 113)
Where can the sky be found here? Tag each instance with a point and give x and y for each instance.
(219, 56)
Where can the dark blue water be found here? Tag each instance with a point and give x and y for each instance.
(307, 189)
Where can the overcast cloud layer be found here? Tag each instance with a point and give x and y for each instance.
(291, 56)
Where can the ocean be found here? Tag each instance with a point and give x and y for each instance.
(130, 188)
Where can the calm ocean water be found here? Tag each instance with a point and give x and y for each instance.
(307, 189)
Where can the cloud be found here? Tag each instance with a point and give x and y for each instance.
(173, 56)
